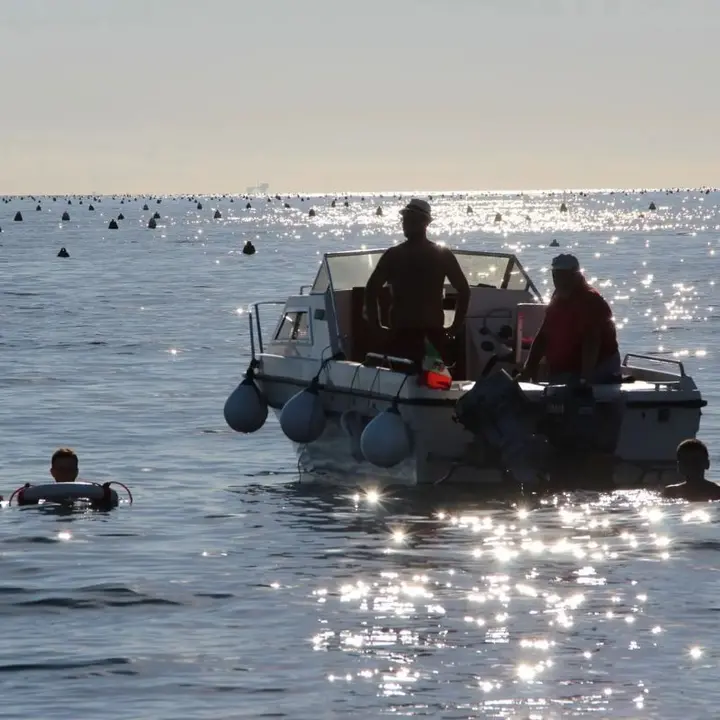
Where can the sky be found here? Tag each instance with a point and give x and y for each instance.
(174, 96)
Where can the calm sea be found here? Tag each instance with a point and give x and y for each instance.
(228, 590)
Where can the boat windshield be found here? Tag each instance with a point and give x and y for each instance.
(353, 269)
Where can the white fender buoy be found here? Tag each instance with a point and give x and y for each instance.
(351, 423)
(246, 409)
(302, 418)
(385, 441)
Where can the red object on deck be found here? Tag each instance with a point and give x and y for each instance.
(437, 380)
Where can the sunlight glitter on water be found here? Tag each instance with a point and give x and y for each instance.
(535, 589)
(448, 609)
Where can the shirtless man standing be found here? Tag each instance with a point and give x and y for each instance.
(415, 271)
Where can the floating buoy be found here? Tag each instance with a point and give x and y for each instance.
(287, 206)
(63, 253)
(113, 225)
(312, 212)
(469, 210)
(554, 243)
(120, 216)
(352, 425)
(217, 215)
(248, 206)
(159, 201)
(145, 207)
(347, 204)
(248, 248)
(38, 208)
(498, 217)
(157, 215)
(91, 208)
(246, 409)
(152, 223)
(95, 493)
(563, 208)
(18, 216)
(66, 217)
(333, 203)
(69, 202)
(652, 206)
(302, 418)
(379, 211)
(385, 442)
(199, 206)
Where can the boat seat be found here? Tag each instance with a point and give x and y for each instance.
(362, 338)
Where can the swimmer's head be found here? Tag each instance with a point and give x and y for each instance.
(64, 465)
(693, 459)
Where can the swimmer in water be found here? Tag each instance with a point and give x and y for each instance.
(693, 460)
(64, 465)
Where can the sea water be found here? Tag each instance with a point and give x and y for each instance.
(228, 590)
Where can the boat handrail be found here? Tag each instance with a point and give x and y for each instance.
(654, 358)
(390, 359)
(258, 329)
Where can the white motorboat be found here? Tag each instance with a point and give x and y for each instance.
(352, 411)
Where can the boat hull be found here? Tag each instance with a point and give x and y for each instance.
(445, 452)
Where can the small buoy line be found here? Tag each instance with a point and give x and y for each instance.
(114, 223)
(385, 441)
(99, 495)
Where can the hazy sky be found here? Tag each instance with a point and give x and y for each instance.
(314, 95)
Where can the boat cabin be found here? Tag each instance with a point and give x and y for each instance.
(505, 312)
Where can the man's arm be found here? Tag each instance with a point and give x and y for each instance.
(597, 312)
(457, 279)
(536, 354)
(592, 339)
(380, 275)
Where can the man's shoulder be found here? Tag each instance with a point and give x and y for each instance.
(595, 301)
(674, 491)
(707, 490)
(392, 253)
(593, 294)
(712, 489)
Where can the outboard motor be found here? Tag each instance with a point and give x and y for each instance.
(570, 421)
(496, 410)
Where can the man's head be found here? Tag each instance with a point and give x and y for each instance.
(566, 274)
(692, 459)
(64, 465)
(416, 216)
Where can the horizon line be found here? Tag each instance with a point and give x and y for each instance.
(371, 193)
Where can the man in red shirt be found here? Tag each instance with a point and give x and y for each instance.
(577, 338)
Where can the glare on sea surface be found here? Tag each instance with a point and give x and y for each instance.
(477, 597)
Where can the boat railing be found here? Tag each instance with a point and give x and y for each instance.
(653, 358)
(256, 335)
